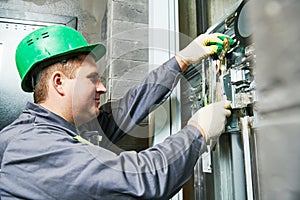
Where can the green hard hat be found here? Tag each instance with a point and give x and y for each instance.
(48, 45)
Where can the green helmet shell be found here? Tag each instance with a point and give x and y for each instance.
(48, 45)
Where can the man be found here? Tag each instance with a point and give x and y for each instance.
(43, 157)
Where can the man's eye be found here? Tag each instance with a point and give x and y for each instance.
(94, 79)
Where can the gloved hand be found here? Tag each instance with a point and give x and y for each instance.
(203, 46)
(210, 120)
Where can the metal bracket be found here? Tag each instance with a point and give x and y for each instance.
(245, 128)
(206, 161)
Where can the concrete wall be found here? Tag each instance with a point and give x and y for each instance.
(217, 9)
(127, 40)
(127, 57)
(277, 37)
(188, 18)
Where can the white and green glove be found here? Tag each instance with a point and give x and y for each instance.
(210, 120)
(203, 46)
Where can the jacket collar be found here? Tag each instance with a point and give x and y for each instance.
(43, 115)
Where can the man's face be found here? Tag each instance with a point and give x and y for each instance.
(87, 89)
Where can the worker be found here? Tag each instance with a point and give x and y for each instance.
(42, 155)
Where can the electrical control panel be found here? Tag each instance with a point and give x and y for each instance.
(228, 166)
(230, 77)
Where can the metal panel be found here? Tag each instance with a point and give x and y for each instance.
(31, 18)
(163, 43)
(12, 98)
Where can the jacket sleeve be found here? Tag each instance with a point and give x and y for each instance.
(119, 117)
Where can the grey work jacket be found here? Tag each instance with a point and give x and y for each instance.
(40, 159)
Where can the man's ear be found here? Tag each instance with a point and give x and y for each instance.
(57, 82)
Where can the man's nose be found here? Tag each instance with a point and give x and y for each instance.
(100, 87)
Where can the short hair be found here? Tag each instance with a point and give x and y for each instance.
(67, 66)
